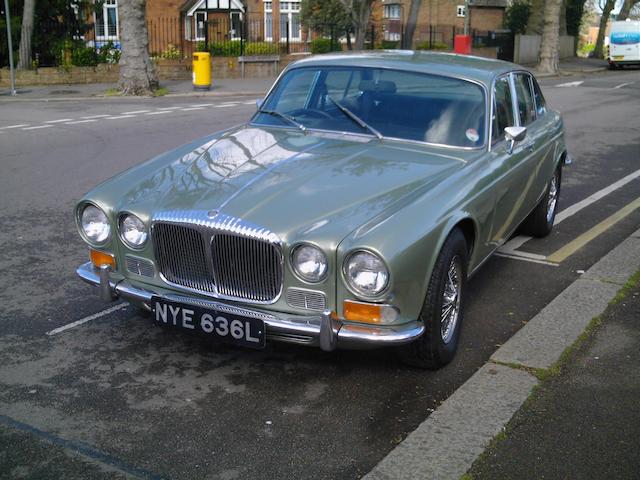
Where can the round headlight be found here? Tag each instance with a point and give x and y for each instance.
(366, 273)
(95, 224)
(132, 231)
(310, 263)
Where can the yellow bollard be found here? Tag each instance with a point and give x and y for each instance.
(202, 70)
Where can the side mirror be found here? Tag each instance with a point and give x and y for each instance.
(259, 102)
(514, 134)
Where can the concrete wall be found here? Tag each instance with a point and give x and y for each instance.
(222, 67)
(526, 48)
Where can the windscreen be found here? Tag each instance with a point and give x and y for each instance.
(393, 103)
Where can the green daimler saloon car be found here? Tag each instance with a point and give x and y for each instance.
(348, 212)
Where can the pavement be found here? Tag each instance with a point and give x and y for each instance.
(583, 422)
(222, 87)
(116, 397)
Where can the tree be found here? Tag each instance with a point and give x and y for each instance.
(575, 12)
(412, 20)
(360, 11)
(25, 34)
(550, 44)
(137, 72)
(598, 51)
(516, 16)
(627, 6)
(328, 17)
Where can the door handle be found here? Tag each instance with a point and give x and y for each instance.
(529, 146)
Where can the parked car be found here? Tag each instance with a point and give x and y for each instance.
(624, 44)
(348, 212)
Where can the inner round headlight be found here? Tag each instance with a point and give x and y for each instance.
(310, 263)
(95, 224)
(133, 231)
(366, 273)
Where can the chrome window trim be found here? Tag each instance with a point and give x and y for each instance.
(219, 223)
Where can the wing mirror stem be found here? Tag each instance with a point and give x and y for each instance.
(513, 135)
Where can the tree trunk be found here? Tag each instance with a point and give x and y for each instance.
(412, 20)
(137, 72)
(26, 32)
(361, 12)
(598, 51)
(548, 56)
(626, 9)
(535, 24)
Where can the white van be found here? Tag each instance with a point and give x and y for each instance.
(624, 43)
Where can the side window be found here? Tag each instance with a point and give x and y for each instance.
(541, 105)
(502, 109)
(526, 106)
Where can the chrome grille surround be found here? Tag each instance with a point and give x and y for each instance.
(139, 266)
(306, 299)
(186, 242)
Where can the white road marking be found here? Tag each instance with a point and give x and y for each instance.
(224, 106)
(252, 102)
(115, 308)
(95, 116)
(203, 105)
(158, 113)
(571, 84)
(14, 126)
(623, 85)
(38, 127)
(81, 121)
(191, 108)
(135, 112)
(60, 121)
(168, 108)
(512, 245)
(118, 117)
(526, 259)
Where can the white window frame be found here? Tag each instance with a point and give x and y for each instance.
(461, 11)
(196, 38)
(289, 8)
(106, 6)
(392, 11)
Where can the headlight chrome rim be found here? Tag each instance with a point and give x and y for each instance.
(292, 261)
(353, 288)
(79, 224)
(121, 218)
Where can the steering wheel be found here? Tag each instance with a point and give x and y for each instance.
(310, 111)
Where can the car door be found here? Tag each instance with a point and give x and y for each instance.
(509, 168)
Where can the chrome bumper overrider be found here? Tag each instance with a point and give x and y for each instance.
(318, 330)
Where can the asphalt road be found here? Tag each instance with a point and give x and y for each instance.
(118, 396)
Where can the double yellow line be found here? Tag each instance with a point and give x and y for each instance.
(579, 242)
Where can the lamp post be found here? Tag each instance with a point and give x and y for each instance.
(467, 15)
(10, 45)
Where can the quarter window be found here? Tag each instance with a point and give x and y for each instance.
(541, 106)
(503, 108)
(526, 105)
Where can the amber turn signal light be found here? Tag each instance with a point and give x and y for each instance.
(99, 258)
(369, 312)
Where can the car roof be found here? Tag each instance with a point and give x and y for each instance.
(480, 69)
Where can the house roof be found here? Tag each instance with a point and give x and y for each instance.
(489, 3)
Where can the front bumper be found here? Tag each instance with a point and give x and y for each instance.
(320, 330)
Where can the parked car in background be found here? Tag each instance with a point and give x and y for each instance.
(624, 44)
(348, 212)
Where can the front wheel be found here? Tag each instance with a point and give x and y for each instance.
(442, 309)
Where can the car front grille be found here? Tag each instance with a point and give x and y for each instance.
(241, 264)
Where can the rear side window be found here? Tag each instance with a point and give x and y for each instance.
(503, 108)
(526, 105)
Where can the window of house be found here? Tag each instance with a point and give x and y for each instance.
(460, 11)
(236, 25)
(290, 13)
(392, 11)
(200, 19)
(106, 21)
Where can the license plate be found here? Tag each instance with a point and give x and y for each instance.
(245, 331)
(618, 57)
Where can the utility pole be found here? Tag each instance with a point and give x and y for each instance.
(466, 16)
(10, 45)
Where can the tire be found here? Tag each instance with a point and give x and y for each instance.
(539, 223)
(438, 344)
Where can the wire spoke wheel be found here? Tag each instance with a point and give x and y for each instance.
(451, 299)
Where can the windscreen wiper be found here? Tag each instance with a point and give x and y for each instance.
(285, 117)
(356, 118)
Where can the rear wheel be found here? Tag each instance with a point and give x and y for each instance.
(442, 309)
(539, 223)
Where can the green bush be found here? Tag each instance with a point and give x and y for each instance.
(324, 45)
(225, 49)
(434, 46)
(261, 48)
(171, 52)
(82, 56)
(201, 47)
(108, 53)
(516, 16)
(389, 44)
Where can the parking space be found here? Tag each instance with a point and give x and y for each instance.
(111, 394)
